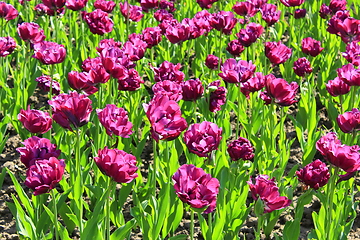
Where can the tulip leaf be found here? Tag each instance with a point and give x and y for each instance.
(123, 231)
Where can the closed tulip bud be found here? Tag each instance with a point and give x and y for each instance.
(299, 13)
(212, 62)
(315, 174)
(35, 121)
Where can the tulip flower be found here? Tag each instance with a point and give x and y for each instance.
(206, 3)
(236, 72)
(240, 148)
(337, 87)
(292, 3)
(35, 121)
(250, 34)
(7, 46)
(30, 32)
(254, 84)
(280, 90)
(192, 89)
(246, 9)
(315, 174)
(352, 53)
(349, 74)
(203, 138)
(152, 36)
(165, 118)
(270, 14)
(76, 5)
(36, 148)
(302, 67)
(266, 190)
(44, 82)
(235, 48)
(349, 121)
(96, 70)
(212, 62)
(104, 5)
(299, 13)
(71, 110)
(172, 89)
(277, 52)
(132, 12)
(223, 21)
(117, 164)
(98, 22)
(81, 81)
(49, 52)
(217, 96)
(43, 175)
(196, 188)
(131, 81)
(54, 4)
(7, 11)
(149, 4)
(168, 71)
(311, 47)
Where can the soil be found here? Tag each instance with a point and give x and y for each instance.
(10, 159)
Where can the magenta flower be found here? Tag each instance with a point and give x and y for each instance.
(30, 31)
(81, 81)
(212, 62)
(8, 11)
(49, 52)
(337, 87)
(280, 90)
(76, 5)
(268, 193)
(277, 52)
(292, 3)
(149, 4)
(240, 148)
(245, 9)
(352, 53)
(299, 13)
(254, 84)
(315, 174)
(236, 72)
(132, 12)
(348, 29)
(176, 32)
(203, 138)
(250, 34)
(223, 21)
(117, 164)
(96, 70)
(54, 4)
(115, 120)
(206, 3)
(217, 96)
(165, 118)
(36, 148)
(311, 47)
(152, 36)
(44, 83)
(235, 48)
(98, 22)
(134, 49)
(172, 89)
(302, 67)
(104, 5)
(42, 9)
(192, 89)
(71, 110)
(269, 13)
(7, 46)
(131, 82)
(35, 121)
(196, 188)
(349, 74)
(349, 121)
(168, 71)
(43, 175)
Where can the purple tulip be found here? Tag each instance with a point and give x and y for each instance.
(76, 5)
(30, 32)
(176, 32)
(95, 69)
(149, 4)
(268, 193)
(236, 72)
(44, 83)
(54, 4)
(49, 52)
(299, 13)
(172, 89)
(132, 12)
(117, 164)
(212, 62)
(131, 82)
(134, 49)
(35, 121)
(81, 81)
(270, 14)
(168, 71)
(165, 118)
(302, 67)
(280, 90)
(277, 52)
(98, 22)
(152, 36)
(352, 53)
(245, 9)
(250, 34)
(203, 138)
(337, 87)
(217, 96)
(349, 74)
(311, 47)
(43, 175)
(8, 11)
(292, 3)
(315, 174)
(235, 48)
(349, 121)
(36, 148)
(223, 21)
(254, 84)
(192, 89)
(71, 110)
(196, 188)
(240, 148)
(206, 3)
(104, 5)
(7, 46)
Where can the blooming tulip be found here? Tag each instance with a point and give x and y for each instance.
(76, 5)
(192, 89)
(292, 3)
(131, 82)
(250, 34)
(349, 75)
(311, 47)
(81, 81)
(7, 11)
(132, 12)
(315, 174)
(280, 90)
(172, 89)
(49, 52)
(217, 96)
(168, 71)
(98, 22)
(7, 46)
(277, 52)
(337, 87)
(246, 9)
(236, 72)
(269, 13)
(223, 21)
(235, 48)
(30, 31)
(104, 5)
(44, 82)
(254, 84)
(240, 148)
(349, 121)
(212, 62)
(302, 67)
(35, 121)
(352, 53)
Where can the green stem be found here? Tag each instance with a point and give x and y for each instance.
(239, 112)
(330, 200)
(79, 174)
(259, 227)
(191, 224)
(154, 166)
(167, 159)
(55, 214)
(220, 42)
(108, 200)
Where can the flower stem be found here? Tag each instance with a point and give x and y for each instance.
(191, 224)
(259, 227)
(108, 200)
(79, 175)
(330, 200)
(154, 167)
(55, 215)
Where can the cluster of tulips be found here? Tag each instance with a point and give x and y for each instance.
(116, 69)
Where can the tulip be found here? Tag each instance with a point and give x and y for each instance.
(254, 84)
(280, 90)
(76, 5)
(49, 52)
(134, 49)
(54, 4)
(223, 21)
(315, 174)
(35, 121)
(131, 82)
(352, 53)
(172, 89)
(217, 96)
(203, 138)
(177, 33)
(117, 164)
(161, 15)
(349, 121)
(7, 11)
(30, 31)
(192, 89)
(292, 3)
(236, 72)
(246, 9)
(132, 12)
(240, 148)
(71, 110)
(149, 4)
(96, 70)
(81, 81)
(325, 12)
(104, 5)
(302, 67)
(165, 118)
(268, 193)
(98, 22)
(196, 188)
(337, 87)
(206, 3)
(44, 82)
(36, 148)
(299, 13)
(277, 52)
(168, 71)
(349, 74)
(212, 62)
(7, 46)
(269, 13)
(337, 5)
(108, 43)
(235, 48)
(42, 9)
(311, 47)
(152, 36)
(44, 175)
(250, 34)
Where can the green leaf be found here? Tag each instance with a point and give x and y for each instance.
(123, 231)
(179, 237)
